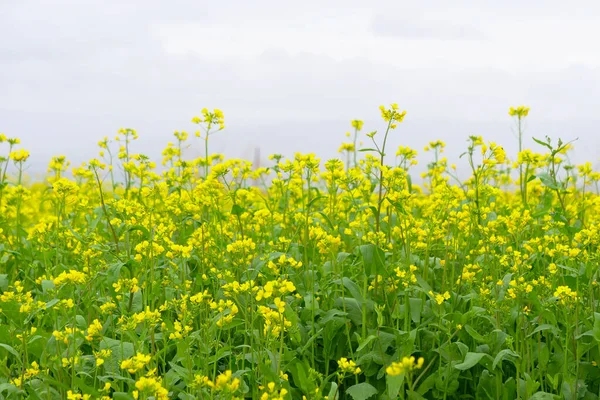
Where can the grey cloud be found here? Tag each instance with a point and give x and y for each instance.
(68, 79)
(414, 26)
(73, 30)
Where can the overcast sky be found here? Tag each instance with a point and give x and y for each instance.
(291, 75)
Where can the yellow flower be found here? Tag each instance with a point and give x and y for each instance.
(71, 276)
(519, 112)
(136, 363)
(94, 330)
(440, 298)
(76, 396)
(348, 366)
(407, 365)
(565, 294)
(151, 386)
(392, 114)
(357, 124)
(19, 155)
(126, 285)
(101, 356)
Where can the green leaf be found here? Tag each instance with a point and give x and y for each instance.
(544, 327)
(4, 282)
(142, 229)
(505, 354)
(486, 388)
(119, 351)
(596, 329)
(414, 395)
(300, 372)
(373, 258)
(311, 302)
(47, 285)
(415, 309)
(353, 308)
(474, 334)
(237, 210)
(8, 387)
(315, 199)
(11, 350)
(545, 144)
(333, 392)
(362, 391)
(368, 149)
(394, 384)
(548, 181)
(423, 284)
(471, 360)
(328, 220)
(427, 384)
(51, 303)
(122, 396)
(365, 342)
(543, 396)
(353, 289)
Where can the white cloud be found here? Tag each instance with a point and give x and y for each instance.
(291, 76)
(417, 27)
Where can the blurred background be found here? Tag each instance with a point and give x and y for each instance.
(290, 76)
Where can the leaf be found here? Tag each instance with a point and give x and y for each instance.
(545, 144)
(122, 396)
(368, 149)
(353, 308)
(362, 391)
(182, 372)
(328, 220)
(353, 289)
(474, 334)
(315, 199)
(505, 354)
(543, 396)
(373, 258)
(415, 309)
(51, 303)
(119, 351)
(544, 327)
(414, 395)
(311, 302)
(300, 372)
(596, 329)
(48, 285)
(423, 284)
(548, 181)
(427, 384)
(394, 384)
(365, 342)
(8, 387)
(4, 282)
(333, 392)
(471, 360)
(142, 229)
(486, 388)
(237, 210)
(12, 351)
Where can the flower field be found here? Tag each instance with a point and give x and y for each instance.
(353, 278)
